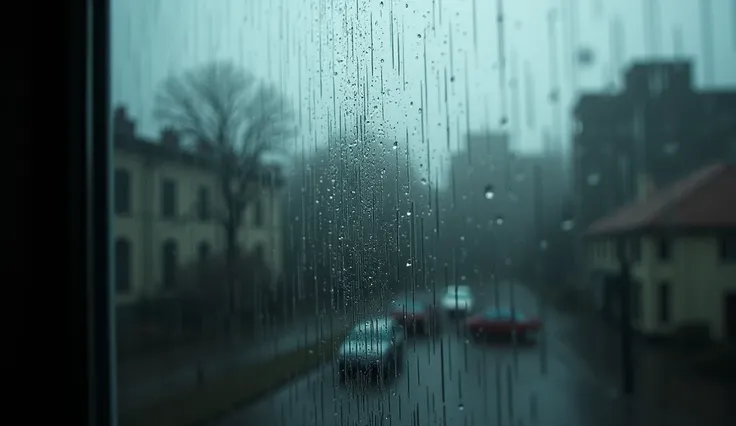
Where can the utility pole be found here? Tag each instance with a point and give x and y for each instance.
(625, 284)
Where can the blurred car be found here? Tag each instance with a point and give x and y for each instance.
(504, 322)
(374, 347)
(457, 300)
(416, 316)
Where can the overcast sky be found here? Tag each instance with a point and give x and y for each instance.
(314, 48)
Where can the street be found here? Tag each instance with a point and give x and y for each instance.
(451, 380)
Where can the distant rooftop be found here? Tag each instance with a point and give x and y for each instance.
(169, 149)
(706, 199)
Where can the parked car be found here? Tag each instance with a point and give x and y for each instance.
(375, 347)
(457, 300)
(415, 316)
(504, 322)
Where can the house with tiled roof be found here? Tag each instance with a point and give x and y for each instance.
(680, 243)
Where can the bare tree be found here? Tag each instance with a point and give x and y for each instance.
(235, 118)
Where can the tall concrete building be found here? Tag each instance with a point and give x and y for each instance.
(657, 130)
(491, 203)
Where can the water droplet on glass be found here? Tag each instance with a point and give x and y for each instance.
(499, 220)
(543, 244)
(462, 238)
(396, 144)
(424, 181)
(461, 407)
(489, 192)
(567, 225)
(554, 95)
(408, 263)
(408, 213)
(671, 148)
(419, 36)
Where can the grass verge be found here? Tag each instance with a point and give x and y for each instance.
(201, 405)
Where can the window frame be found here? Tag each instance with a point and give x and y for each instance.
(169, 207)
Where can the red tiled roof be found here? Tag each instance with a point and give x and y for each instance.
(705, 199)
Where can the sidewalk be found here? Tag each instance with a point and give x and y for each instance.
(664, 392)
(147, 379)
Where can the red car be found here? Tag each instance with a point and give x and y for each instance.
(415, 316)
(504, 322)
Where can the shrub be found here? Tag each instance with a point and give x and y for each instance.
(692, 334)
(207, 296)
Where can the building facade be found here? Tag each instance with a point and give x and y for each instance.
(680, 242)
(168, 213)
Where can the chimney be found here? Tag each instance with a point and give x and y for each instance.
(123, 127)
(204, 148)
(170, 139)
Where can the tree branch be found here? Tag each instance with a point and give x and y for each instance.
(239, 119)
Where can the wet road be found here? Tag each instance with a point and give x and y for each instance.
(451, 380)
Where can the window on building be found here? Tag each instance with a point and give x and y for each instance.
(169, 263)
(122, 191)
(578, 126)
(260, 253)
(258, 213)
(665, 301)
(635, 249)
(203, 203)
(123, 266)
(168, 199)
(727, 249)
(203, 251)
(664, 249)
(636, 300)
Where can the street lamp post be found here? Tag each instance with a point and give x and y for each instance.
(625, 283)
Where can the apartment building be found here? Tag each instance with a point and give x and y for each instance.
(680, 241)
(168, 212)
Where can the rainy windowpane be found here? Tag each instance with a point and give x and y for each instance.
(382, 331)
(289, 172)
